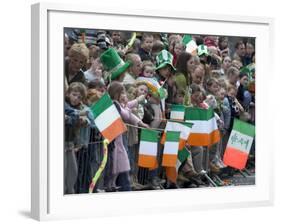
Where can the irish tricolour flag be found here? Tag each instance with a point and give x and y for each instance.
(172, 156)
(239, 144)
(190, 44)
(177, 112)
(183, 127)
(172, 172)
(204, 131)
(171, 147)
(148, 148)
(107, 118)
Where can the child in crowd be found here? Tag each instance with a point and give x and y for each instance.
(164, 65)
(142, 89)
(223, 46)
(197, 152)
(94, 72)
(157, 47)
(215, 150)
(235, 106)
(197, 76)
(148, 69)
(98, 85)
(178, 47)
(243, 95)
(146, 46)
(250, 50)
(232, 76)
(179, 96)
(237, 64)
(223, 108)
(94, 53)
(139, 91)
(226, 63)
(121, 164)
(76, 117)
(225, 115)
(212, 86)
(116, 38)
(165, 71)
(172, 39)
(187, 170)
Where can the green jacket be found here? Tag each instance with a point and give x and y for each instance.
(181, 83)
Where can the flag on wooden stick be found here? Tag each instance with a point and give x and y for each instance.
(107, 118)
(172, 172)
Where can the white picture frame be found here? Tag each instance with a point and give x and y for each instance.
(48, 201)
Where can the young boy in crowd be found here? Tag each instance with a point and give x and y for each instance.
(146, 46)
(75, 119)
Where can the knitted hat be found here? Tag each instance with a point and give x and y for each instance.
(113, 63)
(202, 49)
(164, 58)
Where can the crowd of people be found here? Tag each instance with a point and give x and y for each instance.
(122, 64)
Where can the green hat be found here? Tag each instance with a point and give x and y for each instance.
(164, 58)
(249, 70)
(202, 49)
(113, 63)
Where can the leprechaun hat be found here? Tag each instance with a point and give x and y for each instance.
(164, 58)
(113, 63)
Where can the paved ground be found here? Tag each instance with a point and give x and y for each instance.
(242, 178)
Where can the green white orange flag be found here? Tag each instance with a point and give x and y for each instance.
(148, 148)
(171, 148)
(190, 44)
(177, 112)
(204, 131)
(107, 118)
(183, 127)
(172, 172)
(239, 144)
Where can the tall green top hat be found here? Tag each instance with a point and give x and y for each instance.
(113, 63)
(164, 58)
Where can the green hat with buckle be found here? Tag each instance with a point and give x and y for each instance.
(113, 63)
(164, 58)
